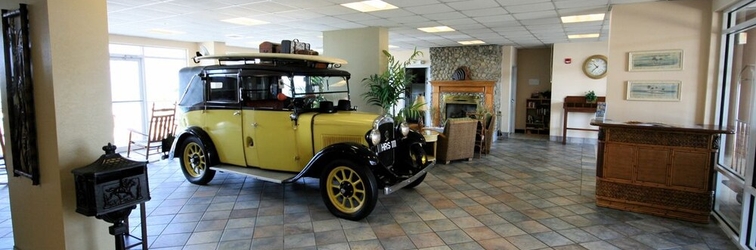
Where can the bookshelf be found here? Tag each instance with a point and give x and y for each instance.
(537, 114)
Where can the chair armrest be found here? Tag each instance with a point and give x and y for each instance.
(134, 131)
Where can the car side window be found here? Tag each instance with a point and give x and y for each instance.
(222, 89)
(262, 92)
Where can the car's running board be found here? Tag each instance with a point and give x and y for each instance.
(261, 174)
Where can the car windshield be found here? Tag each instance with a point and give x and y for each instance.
(315, 89)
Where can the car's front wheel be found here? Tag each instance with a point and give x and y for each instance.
(194, 162)
(349, 190)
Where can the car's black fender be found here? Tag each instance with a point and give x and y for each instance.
(355, 152)
(204, 138)
(403, 160)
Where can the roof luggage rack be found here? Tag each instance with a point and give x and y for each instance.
(276, 59)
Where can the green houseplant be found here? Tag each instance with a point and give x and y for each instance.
(386, 89)
(590, 97)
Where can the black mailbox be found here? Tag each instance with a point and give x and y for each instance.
(110, 184)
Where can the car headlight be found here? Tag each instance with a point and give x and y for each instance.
(375, 136)
(404, 127)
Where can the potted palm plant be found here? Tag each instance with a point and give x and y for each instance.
(386, 89)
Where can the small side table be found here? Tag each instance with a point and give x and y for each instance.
(431, 136)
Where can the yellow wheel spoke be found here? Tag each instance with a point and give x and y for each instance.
(359, 181)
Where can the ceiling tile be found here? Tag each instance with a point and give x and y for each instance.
(445, 16)
(530, 7)
(507, 3)
(474, 4)
(485, 12)
(410, 19)
(392, 13)
(405, 3)
(582, 3)
(535, 15)
(491, 20)
(514, 22)
(430, 9)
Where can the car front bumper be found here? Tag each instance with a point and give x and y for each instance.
(404, 183)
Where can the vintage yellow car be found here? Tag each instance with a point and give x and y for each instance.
(272, 116)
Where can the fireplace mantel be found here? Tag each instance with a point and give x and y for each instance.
(438, 87)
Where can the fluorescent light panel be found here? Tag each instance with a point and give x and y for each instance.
(436, 29)
(244, 21)
(472, 42)
(578, 36)
(393, 46)
(369, 6)
(583, 18)
(166, 31)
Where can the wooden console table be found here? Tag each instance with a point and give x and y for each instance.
(577, 104)
(657, 169)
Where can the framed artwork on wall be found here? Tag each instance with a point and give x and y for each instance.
(659, 60)
(18, 73)
(653, 90)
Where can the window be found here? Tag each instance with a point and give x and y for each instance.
(736, 110)
(141, 76)
(222, 89)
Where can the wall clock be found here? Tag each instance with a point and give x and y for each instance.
(595, 66)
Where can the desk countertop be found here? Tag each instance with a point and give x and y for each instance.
(662, 126)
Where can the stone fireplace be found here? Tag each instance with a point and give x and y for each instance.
(451, 99)
(459, 105)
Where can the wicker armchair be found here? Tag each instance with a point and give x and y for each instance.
(457, 141)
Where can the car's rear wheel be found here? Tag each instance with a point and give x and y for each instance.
(194, 162)
(349, 190)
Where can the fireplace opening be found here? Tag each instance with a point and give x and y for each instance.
(457, 110)
(460, 105)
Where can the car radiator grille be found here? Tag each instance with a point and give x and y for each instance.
(387, 135)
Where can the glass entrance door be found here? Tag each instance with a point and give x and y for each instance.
(128, 98)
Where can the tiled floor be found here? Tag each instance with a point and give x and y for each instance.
(527, 194)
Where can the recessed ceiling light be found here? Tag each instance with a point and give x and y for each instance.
(436, 29)
(368, 6)
(166, 31)
(472, 42)
(578, 36)
(244, 21)
(583, 18)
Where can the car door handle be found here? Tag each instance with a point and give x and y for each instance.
(237, 113)
(254, 124)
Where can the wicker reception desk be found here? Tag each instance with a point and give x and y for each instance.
(656, 168)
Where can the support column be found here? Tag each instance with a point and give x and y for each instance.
(362, 48)
(74, 120)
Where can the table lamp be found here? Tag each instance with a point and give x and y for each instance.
(422, 106)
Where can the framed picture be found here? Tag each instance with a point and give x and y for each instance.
(18, 74)
(653, 90)
(660, 60)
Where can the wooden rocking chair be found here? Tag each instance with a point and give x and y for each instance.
(162, 127)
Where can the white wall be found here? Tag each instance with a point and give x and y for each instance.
(569, 80)
(69, 57)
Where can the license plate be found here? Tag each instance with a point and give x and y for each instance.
(386, 146)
